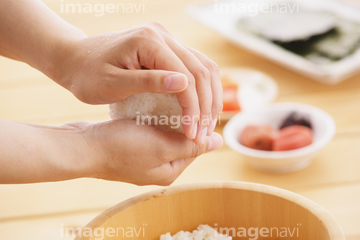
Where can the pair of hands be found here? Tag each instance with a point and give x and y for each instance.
(104, 69)
(108, 68)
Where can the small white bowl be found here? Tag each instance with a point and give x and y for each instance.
(285, 161)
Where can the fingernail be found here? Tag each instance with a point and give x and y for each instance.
(176, 82)
(194, 131)
(215, 142)
(203, 135)
(212, 126)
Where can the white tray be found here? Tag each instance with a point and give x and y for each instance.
(225, 23)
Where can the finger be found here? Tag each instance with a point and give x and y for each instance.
(203, 85)
(217, 103)
(216, 87)
(160, 56)
(142, 81)
(177, 146)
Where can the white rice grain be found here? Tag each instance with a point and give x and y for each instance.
(203, 232)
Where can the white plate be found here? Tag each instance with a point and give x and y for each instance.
(256, 89)
(209, 14)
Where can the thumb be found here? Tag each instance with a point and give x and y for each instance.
(178, 146)
(155, 81)
(182, 152)
(212, 142)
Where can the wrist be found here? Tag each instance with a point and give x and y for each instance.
(67, 152)
(42, 154)
(62, 57)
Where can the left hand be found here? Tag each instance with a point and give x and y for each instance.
(120, 150)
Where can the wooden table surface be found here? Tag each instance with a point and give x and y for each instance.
(38, 211)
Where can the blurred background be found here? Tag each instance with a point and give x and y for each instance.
(40, 211)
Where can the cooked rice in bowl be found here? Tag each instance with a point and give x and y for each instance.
(203, 232)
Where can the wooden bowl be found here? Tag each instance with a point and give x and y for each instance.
(226, 206)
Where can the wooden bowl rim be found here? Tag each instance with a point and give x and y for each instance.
(333, 227)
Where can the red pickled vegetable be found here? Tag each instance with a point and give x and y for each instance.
(258, 137)
(292, 137)
(230, 101)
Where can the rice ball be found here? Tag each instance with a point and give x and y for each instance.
(159, 110)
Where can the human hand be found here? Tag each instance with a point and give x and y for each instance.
(116, 150)
(109, 67)
(114, 154)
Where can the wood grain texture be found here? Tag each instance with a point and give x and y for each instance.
(231, 205)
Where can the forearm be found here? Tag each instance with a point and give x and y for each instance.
(40, 154)
(32, 33)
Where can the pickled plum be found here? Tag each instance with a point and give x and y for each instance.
(292, 137)
(258, 137)
(294, 132)
(230, 101)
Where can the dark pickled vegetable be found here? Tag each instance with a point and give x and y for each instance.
(296, 119)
